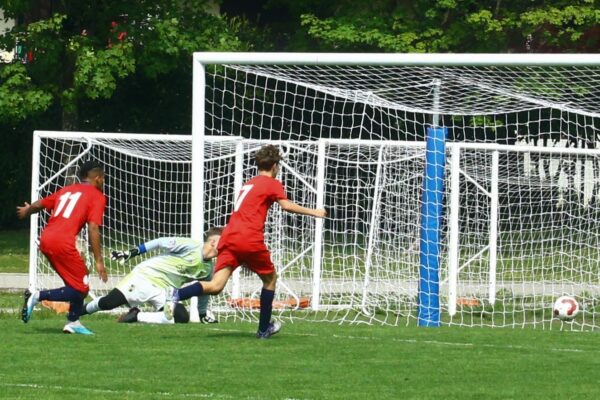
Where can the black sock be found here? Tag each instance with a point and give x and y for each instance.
(112, 300)
(266, 308)
(76, 307)
(65, 293)
(68, 294)
(195, 289)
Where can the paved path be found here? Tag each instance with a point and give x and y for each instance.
(14, 281)
(405, 287)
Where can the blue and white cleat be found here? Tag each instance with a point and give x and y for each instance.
(273, 328)
(28, 304)
(76, 327)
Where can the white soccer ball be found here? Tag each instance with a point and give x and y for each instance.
(565, 308)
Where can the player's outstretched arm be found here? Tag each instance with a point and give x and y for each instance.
(292, 207)
(121, 256)
(27, 209)
(96, 245)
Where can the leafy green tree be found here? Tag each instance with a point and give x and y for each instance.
(457, 26)
(99, 66)
(77, 51)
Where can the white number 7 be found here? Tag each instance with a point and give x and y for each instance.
(72, 199)
(242, 196)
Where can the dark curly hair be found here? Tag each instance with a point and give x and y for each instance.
(266, 157)
(88, 167)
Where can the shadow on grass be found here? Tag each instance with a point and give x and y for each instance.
(32, 329)
(230, 334)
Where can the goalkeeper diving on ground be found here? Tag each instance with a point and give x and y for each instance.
(183, 260)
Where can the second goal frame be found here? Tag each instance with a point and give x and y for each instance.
(428, 308)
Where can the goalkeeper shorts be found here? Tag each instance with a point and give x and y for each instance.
(138, 291)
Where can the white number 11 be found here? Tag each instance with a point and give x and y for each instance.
(72, 199)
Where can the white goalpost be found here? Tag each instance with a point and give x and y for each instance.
(510, 225)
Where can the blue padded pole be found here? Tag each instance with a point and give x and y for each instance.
(431, 217)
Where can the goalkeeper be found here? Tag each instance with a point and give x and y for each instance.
(185, 260)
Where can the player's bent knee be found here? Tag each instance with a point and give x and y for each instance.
(269, 280)
(180, 314)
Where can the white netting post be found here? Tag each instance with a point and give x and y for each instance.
(33, 229)
(198, 160)
(453, 228)
(318, 242)
(493, 241)
(236, 291)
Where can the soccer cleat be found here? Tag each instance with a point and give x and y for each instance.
(208, 318)
(131, 315)
(28, 304)
(169, 307)
(76, 327)
(273, 328)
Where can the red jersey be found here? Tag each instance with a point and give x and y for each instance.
(247, 222)
(72, 207)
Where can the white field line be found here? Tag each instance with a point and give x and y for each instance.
(61, 388)
(115, 392)
(473, 345)
(439, 343)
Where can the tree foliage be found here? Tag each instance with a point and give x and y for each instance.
(74, 50)
(458, 26)
(99, 66)
(108, 65)
(18, 97)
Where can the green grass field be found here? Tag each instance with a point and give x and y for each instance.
(14, 251)
(305, 361)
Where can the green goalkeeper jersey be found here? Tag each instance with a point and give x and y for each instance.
(182, 262)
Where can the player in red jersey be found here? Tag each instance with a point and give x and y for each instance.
(242, 241)
(72, 207)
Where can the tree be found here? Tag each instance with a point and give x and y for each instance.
(76, 51)
(100, 66)
(458, 26)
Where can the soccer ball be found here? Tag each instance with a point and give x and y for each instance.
(565, 308)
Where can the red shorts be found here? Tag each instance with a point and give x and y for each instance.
(67, 262)
(257, 259)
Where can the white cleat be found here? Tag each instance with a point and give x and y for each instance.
(76, 327)
(272, 329)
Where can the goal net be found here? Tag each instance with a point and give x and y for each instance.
(148, 190)
(519, 204)
(517, 226)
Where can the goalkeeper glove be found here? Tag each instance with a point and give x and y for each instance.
(122, 256)
(208, 318)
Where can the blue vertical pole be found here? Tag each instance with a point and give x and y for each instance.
(431, 217)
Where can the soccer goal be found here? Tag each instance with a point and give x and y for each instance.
(489, 226)
(470, 178)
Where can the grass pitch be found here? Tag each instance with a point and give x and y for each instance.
(305, 361)
(14, 251)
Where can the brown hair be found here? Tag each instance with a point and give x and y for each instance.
(214, 231)
(266, 157)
